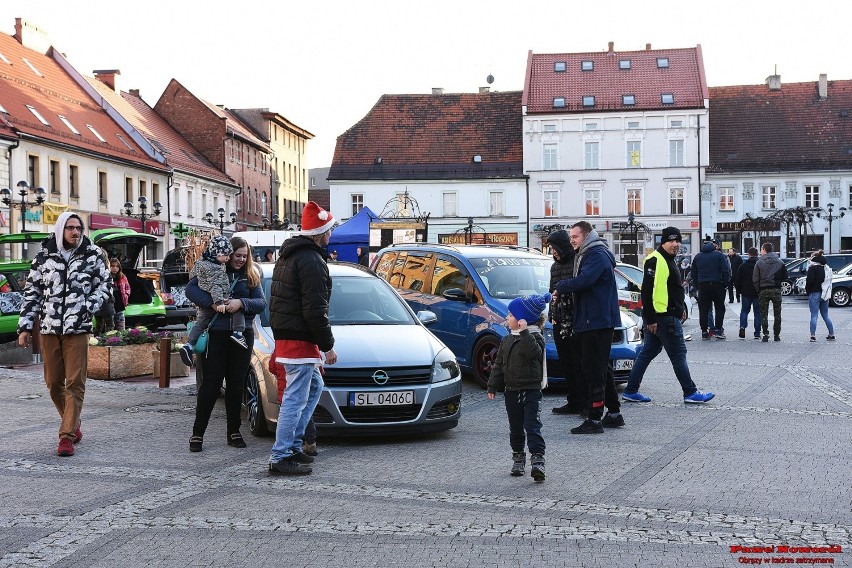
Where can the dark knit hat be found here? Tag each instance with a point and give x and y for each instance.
(672, 234)
(529, 308)
(219, 245)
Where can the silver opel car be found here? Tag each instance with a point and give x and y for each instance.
(392, 375)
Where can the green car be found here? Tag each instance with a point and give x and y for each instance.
(13, 279)
(145, 307)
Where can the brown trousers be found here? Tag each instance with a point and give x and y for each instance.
(65, 362)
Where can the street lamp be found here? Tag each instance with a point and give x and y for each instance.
(633, 230)
(143, 214)
(23, 190)
(278, 224)
(221, 220)
(830, 218)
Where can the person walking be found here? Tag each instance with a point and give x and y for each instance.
(67, 283)
(596, 315)
(519, 369)
(664, 311)
(748, 293)
(818, 288)
(561, 315)
(735, 261)
(711, 272)
(769, 273)
(226, 360)
(301, 290)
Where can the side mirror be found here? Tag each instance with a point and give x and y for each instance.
(426, 317)
(455, 294)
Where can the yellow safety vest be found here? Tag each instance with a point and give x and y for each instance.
(660, 293)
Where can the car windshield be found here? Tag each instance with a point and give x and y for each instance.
(358, 301)
(632, 272)
(510, 277)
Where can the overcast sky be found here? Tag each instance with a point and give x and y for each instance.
(324, 64)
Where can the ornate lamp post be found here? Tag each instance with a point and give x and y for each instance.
(143, 214)
(221, 220)
(278, 224)
(830, 218)
(24, 204)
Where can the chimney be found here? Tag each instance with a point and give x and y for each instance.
(135, 93)
(31, 36)
(437, 90)
(107, 76)
(774, 82)
(483, 90)
(611, 46)
(647, 47)
(823, 86)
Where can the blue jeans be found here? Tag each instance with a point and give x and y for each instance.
(750, 303)
(669, 336)
(304, 387)
(819, 306)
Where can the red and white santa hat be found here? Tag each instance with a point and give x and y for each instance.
(316, 220)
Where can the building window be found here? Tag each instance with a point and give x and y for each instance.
(667, 99)
(591, 155)
(96, 133)
(812, 196)
(176, 200)
(633, 124)
(676, 201)
(624, 64)
(450, 205)
(550, 128)
(143, 188)
(634, 201)
(768, 197)
(593, 202)
(591, 126)
(54, 177)
(662, 62)
(32, 171)
(38, 115)
(587, 66)
(102, 187)
(558, 102)
(357, 203)
(559, 67)
(263, 204)
(675, 153)
(155, 191)
(68, 124)
(495, 204)
(190, 203)
(676, 124)
(588, 101)
(550, 156)
(73, 181)
(726, 199)
(634, 154)
(128, 190)
(551, 203)
(628, 100)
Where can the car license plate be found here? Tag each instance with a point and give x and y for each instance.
(623, 364)
(390, 398)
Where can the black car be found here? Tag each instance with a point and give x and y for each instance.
(799, 268)
(173, 280)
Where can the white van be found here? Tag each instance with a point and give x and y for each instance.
(263, 242)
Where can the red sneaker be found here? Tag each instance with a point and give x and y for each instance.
(78, 434)
(66, 447)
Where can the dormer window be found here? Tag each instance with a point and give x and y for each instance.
(560, 67)
(624, 64)
(662, 63)
(558, 102)
(628, 100)
(587, 66)
(589, 101)
(667, 98)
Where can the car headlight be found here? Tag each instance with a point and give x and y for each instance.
(445, 367)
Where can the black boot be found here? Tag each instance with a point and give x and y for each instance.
(519, 462)
(537, 463)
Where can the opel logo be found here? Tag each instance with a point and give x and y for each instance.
(380, 377)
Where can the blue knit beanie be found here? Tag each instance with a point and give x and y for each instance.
(529, 308)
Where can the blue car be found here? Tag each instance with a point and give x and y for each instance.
(469, 287)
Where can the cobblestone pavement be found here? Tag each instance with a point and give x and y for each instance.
(765, 464)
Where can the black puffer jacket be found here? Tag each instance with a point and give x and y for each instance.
(301, 289)
(561, 313)
(519, 363)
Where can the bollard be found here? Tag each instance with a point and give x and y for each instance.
(165, 360)
(36, 342)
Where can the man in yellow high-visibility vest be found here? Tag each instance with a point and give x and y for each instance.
(664, 311)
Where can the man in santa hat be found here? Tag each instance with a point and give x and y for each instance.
(298, 308)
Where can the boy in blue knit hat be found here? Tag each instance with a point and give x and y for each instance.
(520, 368)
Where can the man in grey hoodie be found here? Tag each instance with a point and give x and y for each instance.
(769, 273)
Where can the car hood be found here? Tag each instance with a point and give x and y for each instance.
(388, 345)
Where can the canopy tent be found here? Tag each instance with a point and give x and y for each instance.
(352, 234)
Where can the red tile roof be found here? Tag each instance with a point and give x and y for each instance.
(55, 93)
(755, 129)
(607, 82)
(179, 153)
(235, 125)
(434, 137)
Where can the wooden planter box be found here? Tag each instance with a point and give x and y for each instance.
(176, 366)
(120, 362)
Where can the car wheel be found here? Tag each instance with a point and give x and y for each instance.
(840, 297)
(786, 288)
(484, 353)
(254, 407)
